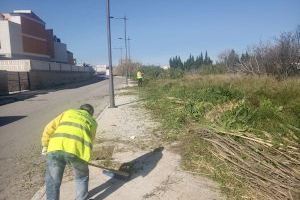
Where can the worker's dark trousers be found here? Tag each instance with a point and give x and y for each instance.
(140, 82)
(56, 162)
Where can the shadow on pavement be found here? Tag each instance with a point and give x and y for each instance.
(21, 96)
(9, 119)
(142, 166)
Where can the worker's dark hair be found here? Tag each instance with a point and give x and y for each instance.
(87, 107)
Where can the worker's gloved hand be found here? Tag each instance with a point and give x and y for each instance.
(44, 151)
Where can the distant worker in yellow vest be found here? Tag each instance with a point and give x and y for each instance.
(140, 77)
(68, 139)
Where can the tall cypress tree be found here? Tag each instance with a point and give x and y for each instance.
(206, 61)
(171, 63)
(197, 62)
(189, 63)
(201, 59)
(179, 63)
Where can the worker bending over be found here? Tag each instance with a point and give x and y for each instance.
(68, 139)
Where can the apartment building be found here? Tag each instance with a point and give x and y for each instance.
(23, 35)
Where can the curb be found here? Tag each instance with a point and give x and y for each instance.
(100, 115)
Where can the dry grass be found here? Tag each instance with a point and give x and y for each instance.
(243, 131)
(216, 112)
(245, 168)
(102, 155)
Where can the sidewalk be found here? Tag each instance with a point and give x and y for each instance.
(127, 133)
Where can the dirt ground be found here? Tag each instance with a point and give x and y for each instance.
(129, 134)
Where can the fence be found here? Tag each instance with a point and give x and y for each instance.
(30, 65)
(18, 81)
(18, 75)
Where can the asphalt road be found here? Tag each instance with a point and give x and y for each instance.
(22, 122)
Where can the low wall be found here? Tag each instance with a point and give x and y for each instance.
(18, 81)
(3, 83)
(27, 74)
(15, 65)
(48, 79)
(27, 65)
(33, 80)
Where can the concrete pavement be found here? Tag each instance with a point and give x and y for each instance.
(22, 123)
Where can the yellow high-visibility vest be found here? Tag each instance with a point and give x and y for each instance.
(139, 75)
(74, 134)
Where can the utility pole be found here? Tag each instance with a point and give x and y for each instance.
(126, 61)
(129, 47)
(111, 81)
(121, 62)
(129, 55)
(125, 39)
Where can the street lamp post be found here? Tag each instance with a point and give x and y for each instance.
(128, 45)
(111, 81)
(129, 48)
(129, 55)
(121, 63)
(125, 33)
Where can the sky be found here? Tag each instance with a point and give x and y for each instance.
(160, 29)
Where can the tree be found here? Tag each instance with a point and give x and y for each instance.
(176, 63)
(297, 34)
(201, 59)
(189, 63)
(207, 60)
(230, 59)
(280, 57)
(288, 50)
(245, 57)
(198, 62)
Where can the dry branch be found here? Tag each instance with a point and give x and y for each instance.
(270, 171)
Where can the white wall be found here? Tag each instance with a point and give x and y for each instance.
(16, 41)
(25, 65)
(15, 65)
(39, 65)
(66, 67)
(60, 52)
(165, 67)
(100, 68)
(54, 66)
(15, 19)
(4, 38)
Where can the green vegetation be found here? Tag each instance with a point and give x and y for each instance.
(260, 106)
(238, 120)
(191, 63)
(229, 102)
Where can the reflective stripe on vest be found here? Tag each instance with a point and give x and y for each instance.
(74, 134)
(74, 137)
(76, 125)
(71, 146)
